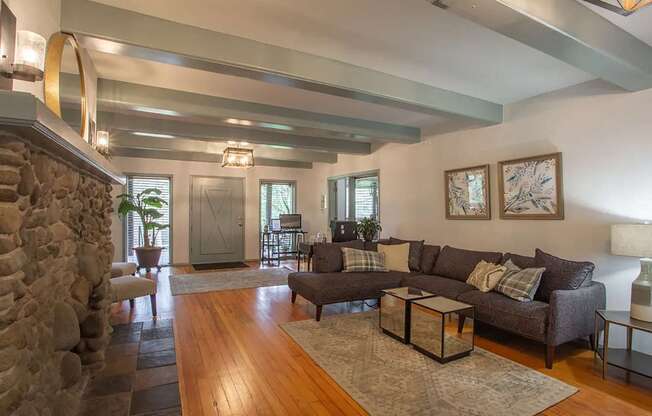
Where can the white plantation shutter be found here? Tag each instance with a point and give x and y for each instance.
(135, 185)
(366, 197)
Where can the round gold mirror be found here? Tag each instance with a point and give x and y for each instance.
(64, 83)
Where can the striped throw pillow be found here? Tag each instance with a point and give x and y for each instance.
(362, 261)
(519, 284)
(486, 276)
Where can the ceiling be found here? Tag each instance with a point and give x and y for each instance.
(437, 56)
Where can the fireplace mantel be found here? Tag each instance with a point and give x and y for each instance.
(26, 116)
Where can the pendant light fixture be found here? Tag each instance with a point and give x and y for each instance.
(238, 156)
(622, 7)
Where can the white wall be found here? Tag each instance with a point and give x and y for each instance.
(181, 173)
(605, 136)
(42, 17)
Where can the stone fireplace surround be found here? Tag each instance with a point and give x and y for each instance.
(55, 258)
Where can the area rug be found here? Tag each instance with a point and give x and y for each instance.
(227, 280)
(387, 377)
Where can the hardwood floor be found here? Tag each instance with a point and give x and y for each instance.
(233, 359)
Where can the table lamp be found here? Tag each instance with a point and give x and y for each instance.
(636, 240)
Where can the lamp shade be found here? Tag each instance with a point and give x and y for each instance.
(631, 240)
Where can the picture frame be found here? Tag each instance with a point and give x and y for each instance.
(468, 193)
(531, 188)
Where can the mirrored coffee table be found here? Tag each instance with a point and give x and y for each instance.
(395, 311)
(434, 335)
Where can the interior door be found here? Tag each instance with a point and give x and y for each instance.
(216, 220)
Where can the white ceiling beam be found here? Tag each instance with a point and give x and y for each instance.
(119, 31)
(569, 32)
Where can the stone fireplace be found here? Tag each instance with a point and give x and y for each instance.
(55, 258)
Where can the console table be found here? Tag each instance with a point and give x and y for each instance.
(625, 358)
(270, 245)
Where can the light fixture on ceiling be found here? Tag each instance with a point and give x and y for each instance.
(238, 157)
(157, 135)
(102, 142)
(623, 7)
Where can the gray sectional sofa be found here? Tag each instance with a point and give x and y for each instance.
(563, 308)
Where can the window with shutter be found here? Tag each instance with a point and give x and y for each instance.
(134, 227)
(277, 198)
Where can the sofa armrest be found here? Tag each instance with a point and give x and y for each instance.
(572, 312)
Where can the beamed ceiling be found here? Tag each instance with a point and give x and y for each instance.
(306, 80)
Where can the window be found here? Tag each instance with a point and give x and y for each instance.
(134, 227)
(277, 198)
(354, 197)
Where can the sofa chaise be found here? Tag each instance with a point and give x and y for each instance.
(563, 308)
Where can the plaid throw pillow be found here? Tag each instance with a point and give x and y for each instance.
(519, 284)
(362, 261)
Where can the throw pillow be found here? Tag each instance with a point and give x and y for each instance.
(486, 276)
(362, 261)
(429, 257)
(561, 274)
(327, 257)
(519, 284)
(396, 256)
(416, 251)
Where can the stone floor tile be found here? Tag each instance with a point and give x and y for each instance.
(156, 359)
(158, 323)
(150, 377)
(174, 411)
(117, 364)
(105, 386)
(155, 399)
(155, 345)
(114, 405)
(157, 333)
(123, 349)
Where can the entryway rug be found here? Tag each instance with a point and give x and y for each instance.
(219, 266)
(140, 377)
(227, 280)
(387, 377)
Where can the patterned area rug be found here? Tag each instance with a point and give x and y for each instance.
(387, 377)
(227, 280)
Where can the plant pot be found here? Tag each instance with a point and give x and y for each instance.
(148, 257)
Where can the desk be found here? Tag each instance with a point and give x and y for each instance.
(270, 245)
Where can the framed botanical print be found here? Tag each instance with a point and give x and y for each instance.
(467, 193)
(531, 188)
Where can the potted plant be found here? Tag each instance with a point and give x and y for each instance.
(146, 204)
(369, 228)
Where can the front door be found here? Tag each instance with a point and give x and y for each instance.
(216, 220)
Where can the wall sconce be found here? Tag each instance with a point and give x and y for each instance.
(102, 142)
(22, 53)
(29, 60)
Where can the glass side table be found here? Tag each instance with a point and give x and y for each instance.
(626, 358)
(395, 311)
(433, 336)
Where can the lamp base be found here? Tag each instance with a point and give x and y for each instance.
(642, 293)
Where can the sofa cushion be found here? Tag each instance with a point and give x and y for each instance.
(396, 256)
(524, 262)
(458, 264)
(561, 274)
(519, 284)
(416, 251)
(327, 257)
(486, 276)
(325, 288)
(429, 257)
(438, 285)
(529, 319)
(362, 261)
